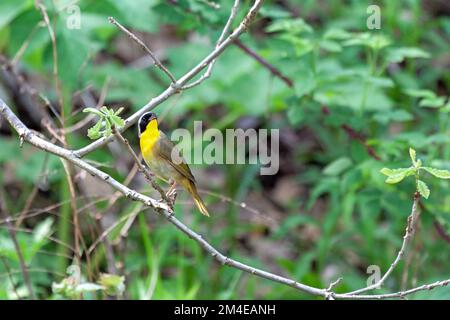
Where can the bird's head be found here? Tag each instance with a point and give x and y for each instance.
(144, 120)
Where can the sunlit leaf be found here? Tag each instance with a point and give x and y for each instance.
(397, 55)
(423, 189)
(442, 174)
(412, 154)
(94, 111)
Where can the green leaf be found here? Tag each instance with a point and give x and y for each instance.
(108, 128)
(412, 154)
(416, 93)
(94, 132)
(112, 284)
(119, 111)
(398, 115)
(396, 175)
(331, 46)
(118, 122)
(390, 172)
(376, 42)
(381, 82)
(105, 110)
(395, 178)
(42, 230)
(337, 166)
(442, 174)
(291, 26)
(435, 102)
(337, 34)
(88, 287)
(397, 55)
(74, 50)
(94, 111)
(423, 189)
(296, 114)
(446, 108)
(9, 9)
(387, 171)
(138, 14)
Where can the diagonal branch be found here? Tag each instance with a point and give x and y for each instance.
(146, 49)
(266, 64)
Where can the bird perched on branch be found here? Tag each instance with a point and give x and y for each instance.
(165, 160)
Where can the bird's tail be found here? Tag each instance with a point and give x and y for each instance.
(192, 189)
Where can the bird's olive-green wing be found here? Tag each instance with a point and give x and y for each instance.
(165, 151)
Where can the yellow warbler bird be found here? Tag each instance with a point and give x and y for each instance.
(165, 160)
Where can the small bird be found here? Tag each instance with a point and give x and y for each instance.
(165, 160)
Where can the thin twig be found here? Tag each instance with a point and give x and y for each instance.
(441, 231)
(144, 46)
(354, 135)
(400, 294)
(276, 72)
(51, 32)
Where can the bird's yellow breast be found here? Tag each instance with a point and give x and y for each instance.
(148, 139)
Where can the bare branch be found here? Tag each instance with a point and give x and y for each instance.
(400, 294)
(144, 46)
(272, 69)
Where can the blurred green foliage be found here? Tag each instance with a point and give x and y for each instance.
(390, 85)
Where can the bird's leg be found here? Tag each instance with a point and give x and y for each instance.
(172, 194)
(172, 189)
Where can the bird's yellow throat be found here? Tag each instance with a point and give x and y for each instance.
(149, 138)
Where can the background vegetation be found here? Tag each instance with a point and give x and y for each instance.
(350, 101)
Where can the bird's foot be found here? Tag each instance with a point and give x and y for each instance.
(172, 197)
